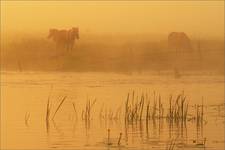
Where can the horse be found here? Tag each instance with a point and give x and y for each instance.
(64, 38)
(179, 42)
(73, 35)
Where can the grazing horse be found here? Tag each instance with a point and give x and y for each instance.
(64, 38)
(179, 41)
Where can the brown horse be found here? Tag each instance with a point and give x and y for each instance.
(179, 42)
(64, 38)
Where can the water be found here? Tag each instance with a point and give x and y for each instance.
(24, 100)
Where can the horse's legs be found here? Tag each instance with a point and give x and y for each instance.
(67, 47)
(72, 45)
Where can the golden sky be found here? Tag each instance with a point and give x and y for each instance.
(204, 18)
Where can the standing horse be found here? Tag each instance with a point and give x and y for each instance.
(73, 35)
(179, 42)
(64, 39)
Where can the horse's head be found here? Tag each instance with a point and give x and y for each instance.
(52, 33)
(75, 32)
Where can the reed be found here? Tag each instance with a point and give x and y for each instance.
(147, 111)
(127, 108)
(106, 114)
(202, 113)
(178, 110)
(119, 139)
(27, 116)
(134, 108)
(138, 107)
(171, 144)
(154, 110)
(199, 114)
(63, 99)
(86, 113)
(118, 114)
(110, 114)
(48, 110)
(74, 108)
(170, 115)
(101, 116)
(161, 109)
(108, 139)
(141, 107)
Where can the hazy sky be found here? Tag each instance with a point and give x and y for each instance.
(197, 18)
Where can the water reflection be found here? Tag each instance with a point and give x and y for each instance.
(151, 132)
(82, 123)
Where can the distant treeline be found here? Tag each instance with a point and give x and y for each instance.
(110, 53)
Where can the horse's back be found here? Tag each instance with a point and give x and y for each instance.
(179, 40)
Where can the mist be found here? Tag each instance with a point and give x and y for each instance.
(112, 75)
(114, 36)
(198, 19)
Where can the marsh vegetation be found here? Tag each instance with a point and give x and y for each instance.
(157, 115)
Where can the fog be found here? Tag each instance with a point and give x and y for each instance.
(131, 75)
(114, 36)
(199, 19)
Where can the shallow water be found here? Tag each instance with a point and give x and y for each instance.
(24, 100)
